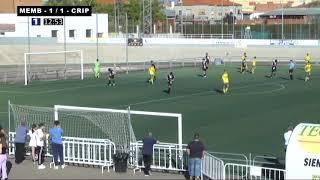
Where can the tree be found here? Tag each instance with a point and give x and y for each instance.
(157, 13)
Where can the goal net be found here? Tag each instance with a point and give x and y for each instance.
(53, 65)
(88, 122)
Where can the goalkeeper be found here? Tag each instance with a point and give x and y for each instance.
(97, 69)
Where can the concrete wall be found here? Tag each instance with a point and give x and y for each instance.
(116, 53)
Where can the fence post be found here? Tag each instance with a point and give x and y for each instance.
(9, 116)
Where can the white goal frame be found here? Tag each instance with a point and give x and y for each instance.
(148, 113)
(44, 53)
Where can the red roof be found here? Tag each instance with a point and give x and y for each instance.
(209, 2)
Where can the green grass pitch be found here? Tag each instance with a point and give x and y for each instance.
(251, 118)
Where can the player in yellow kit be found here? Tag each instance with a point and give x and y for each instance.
(307, 69)
(152, 72)
(225, 80)
(253, 67)
(307, 58)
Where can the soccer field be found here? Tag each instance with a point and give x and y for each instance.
(250, 119)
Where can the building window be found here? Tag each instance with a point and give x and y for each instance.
(2, 33)
(88, 33)
(71, 33)
(100, 35)
(54, 33)
(38, 35)
(239, 12)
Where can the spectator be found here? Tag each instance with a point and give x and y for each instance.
(195, 151)
(147, 152)
(40, 137)
(287, 136)
(3, 155)
(57, 146)
(33, 143)
(20, 142)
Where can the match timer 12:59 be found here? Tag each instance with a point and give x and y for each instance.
(54, 11)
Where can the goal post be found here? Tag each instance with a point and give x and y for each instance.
(58, 108)
(62, 60)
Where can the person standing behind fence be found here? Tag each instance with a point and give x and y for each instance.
(20, 142)
(147, 152)
(3, 156)
(56, 143)
(195, 151)
(40, 137)
(33, 143)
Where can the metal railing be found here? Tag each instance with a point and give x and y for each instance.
(177, 35)
(239, 171)
(166, 156)
(84, 151)
(231, 157)
(212, 167)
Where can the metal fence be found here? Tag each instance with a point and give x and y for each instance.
(82, 151)
(166, 156)
(308, 28)
(239, 171)
(212, 167)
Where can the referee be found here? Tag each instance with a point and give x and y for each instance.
(291, 68)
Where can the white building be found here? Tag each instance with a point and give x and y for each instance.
(81, 29)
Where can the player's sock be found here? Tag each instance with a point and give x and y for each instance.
(169, 90)
(227, 90)
(291, 76)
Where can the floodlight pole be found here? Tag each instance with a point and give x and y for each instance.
(222, 19)
(97, 36)
(282, 20)
(234, 12)
(127, 43)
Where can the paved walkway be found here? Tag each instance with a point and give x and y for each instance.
(27, 170)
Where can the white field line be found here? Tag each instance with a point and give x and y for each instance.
(50, 91)
(214, 93)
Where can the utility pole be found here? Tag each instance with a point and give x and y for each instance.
(233, 14)
(222, 19)
(117, 4)
(281, 20)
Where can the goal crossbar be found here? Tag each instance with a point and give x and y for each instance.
(43, 53)
(76, 108)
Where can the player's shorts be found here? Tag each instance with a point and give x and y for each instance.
(225, 82)
(274, 69)
(111, 77)
(244, 64)
(308, 73)
(290, 70)
(204, 68)
(170, 83)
